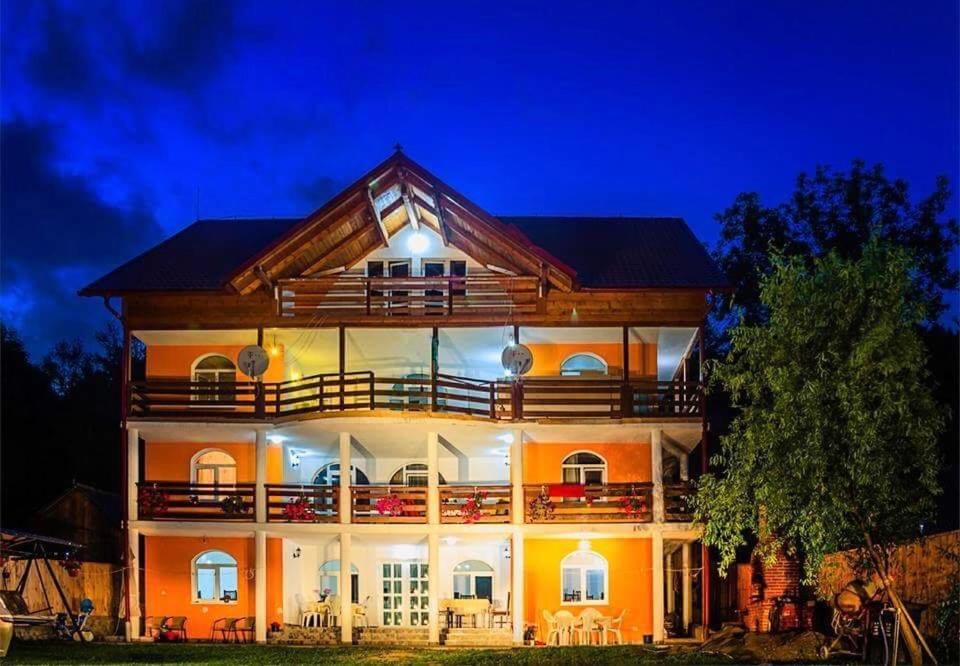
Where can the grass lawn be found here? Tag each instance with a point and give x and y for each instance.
(116, 653)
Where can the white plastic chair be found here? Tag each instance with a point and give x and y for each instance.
(586, 626)
(553, 632)
(565, 622)
(613, 626)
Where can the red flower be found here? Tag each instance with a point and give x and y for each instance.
(298, 510)
(391, 505)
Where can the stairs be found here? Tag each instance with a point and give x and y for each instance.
(501, 637)
(410, 636)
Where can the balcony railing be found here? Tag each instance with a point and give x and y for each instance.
(182, 500)
(300, 503)
(574, 503)
(389, 504)
(475, 504)
(526, 398)
(676, 506)
(409, 296)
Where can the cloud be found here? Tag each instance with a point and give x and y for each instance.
(62, 63)
(316, 192)
(57, 235)
(193, 38)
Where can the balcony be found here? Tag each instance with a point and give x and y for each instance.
(475, 504)
(573, 503)
(181, 500)
(302, 503)
(500, 400)
(486, 294)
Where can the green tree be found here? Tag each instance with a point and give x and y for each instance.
(835, 442)
(836, 211)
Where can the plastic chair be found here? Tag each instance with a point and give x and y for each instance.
(586, 625)
(613, 626)
(565, 622)
(553, 631)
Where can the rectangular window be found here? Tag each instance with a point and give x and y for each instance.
(206, 584)
(594, 585)
(458, 269)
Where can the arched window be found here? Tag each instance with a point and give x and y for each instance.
(329, 475)
(584, 578)
(213, 466)
(330, 580)
(473, 579)
(215, 577)
(583, 364)
(412, 474)
(215, 370)
(584, 468)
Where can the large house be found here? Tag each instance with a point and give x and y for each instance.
(466, 425)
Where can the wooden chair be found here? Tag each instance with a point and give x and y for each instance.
(244, 629)
(178, 625)
(223, 625)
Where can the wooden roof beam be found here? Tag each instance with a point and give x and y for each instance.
(381, 227)
(350, 238)
(408, 200)
(441, 218)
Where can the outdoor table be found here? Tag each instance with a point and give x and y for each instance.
(462, 607)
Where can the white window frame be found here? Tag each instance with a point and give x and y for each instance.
(582, 468)
(196, 395)
(328, 466)
(195, 567)
(195, 466)
(583, 568)
(606, 366)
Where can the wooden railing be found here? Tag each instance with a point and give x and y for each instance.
(572, 503)
(397, 296)
(527, 398)
(676, 506)
(389, 504)
(299, 503)
(475, 504)
(182, 500)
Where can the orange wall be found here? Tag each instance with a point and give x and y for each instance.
(169, 586)
(170, 461)
(548, 357)
(630, 583)
(625, 462)
(177, 360)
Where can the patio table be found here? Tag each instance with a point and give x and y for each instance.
(461, 607)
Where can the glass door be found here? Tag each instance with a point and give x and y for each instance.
(405, 598)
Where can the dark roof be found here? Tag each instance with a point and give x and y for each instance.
(105, 501)
(606, 252)
(625, 252)
(201, 257)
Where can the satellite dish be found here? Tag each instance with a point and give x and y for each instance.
(253, 360)
(517, 359)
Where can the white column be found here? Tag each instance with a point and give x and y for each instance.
(433, 480)
(345, 499)
(133, 471)
(132, 629)
(516, 477)
(346, 586)
(261, 478)
(684, 467)
(516, 586)
(657, 586)
(668, 578)
(687, 585)
(433, 580)
(656, 471)
(260, 586)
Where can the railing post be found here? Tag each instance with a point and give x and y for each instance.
(260, 398)
(320, 390)
(493, 400)
(516, 398)
(450, 296)
(373, 384)
(366, 284)
(626, 400)
(276, 395)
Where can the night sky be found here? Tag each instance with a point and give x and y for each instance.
(122, 121)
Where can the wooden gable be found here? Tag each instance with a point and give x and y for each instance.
(367, 214)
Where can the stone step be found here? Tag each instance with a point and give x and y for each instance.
(409, 636)
(463, 637)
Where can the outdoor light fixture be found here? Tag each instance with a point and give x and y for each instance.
(506, 438)
(450, 540)
(584, 544)
(418, 243)
(296, 553)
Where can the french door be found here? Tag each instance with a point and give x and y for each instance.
(405, 596)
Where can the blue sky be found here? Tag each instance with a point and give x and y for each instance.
(122, 120)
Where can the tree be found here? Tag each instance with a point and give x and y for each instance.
(835, 442)
(833, 211)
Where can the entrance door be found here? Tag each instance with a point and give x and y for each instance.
(484, 587)
(405, 600)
